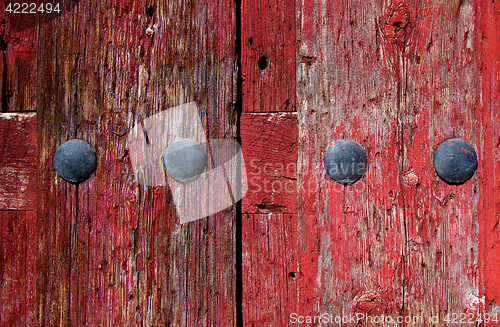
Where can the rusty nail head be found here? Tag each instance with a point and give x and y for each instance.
(75, 161)
(345, 162)
(455, 161)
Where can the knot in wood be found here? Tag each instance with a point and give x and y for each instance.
(411, 178)
(397, 24)
(368, 301)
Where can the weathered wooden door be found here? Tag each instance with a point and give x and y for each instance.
(286, 79)
(400, 246)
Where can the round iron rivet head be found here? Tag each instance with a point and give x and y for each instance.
(184, 160)
(74, 161)
(455, 161)
(345, 162)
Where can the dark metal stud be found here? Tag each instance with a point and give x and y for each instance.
(455, 161)
(345, 162)
(75, 161)
(184, 160)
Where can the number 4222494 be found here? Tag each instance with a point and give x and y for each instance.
(32, 8)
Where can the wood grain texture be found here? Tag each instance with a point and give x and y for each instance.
(268, 55)
(269, 132)
(18, 45)
(399, 79)
(18, 161)
(269, 145)
(110, 251)
(17, 271)
(441, 221)
(349, 237)
(487, 32)
(270, 265)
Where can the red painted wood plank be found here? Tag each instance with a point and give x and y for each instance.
(18, 160)
(269, 134)
(269, 145)
(350, 237)
(268, 55)
(18, 44)
(487, 97)
(111, 252)
(441, 221)
(270, 269)
(399, 80)
(17, 271)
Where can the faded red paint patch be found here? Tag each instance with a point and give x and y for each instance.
(18, 161)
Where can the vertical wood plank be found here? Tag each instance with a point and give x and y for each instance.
(111, 252)
(17, 272)
(269, 131)
(441, 221)
(350, 237)
(18, 46)
(270, 265)
(487, 96)
(268, 55)
(398, 78)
